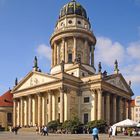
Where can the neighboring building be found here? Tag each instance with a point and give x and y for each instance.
(6, 110)
(135, 109)
(73, 87)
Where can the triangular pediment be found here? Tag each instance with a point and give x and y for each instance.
(34, 79)
(119, 82)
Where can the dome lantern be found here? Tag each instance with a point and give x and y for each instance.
(73, 8)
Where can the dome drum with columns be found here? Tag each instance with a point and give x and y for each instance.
(73, 87)
(72, 39)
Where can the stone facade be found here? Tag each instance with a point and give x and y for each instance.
(73, 88)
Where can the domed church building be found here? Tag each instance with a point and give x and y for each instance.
(73, 88)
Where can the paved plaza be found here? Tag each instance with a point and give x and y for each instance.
(33, 136)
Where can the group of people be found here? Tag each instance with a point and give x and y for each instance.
(111, 133)
(42, 130)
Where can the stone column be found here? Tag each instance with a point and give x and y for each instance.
(94, 105)
(50, 107)
(21, 112)
(18, 113)
(30, 110)
(108, 108)
(14, 113)
(63, 46)
(99, 104)
(75, 49)
(61, 105)
(79, 104)
(66, 52)
(67, 106)
(114, 109)
(39, 110)
(86, 52)
(92, 56)
(43, 110)
(55, 54)
(53, 107)
(103, 104)
(26, 111)
(124, 109)
(129, 109)
(120, 109)
(52, 64)
(58, 54)
(33, 111)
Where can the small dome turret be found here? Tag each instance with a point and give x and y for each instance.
(73, 8)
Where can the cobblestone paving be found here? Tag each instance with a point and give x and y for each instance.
(33, 136)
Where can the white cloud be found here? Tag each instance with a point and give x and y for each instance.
(44, 51)
(134, 50)
(108, 51)
(128, 57)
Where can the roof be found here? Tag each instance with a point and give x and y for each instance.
(73, 8)
(6, 100)
(132, 103)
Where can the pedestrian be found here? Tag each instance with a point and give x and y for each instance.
(113, 132)
(95, 133)
(45, 130)
(37, 129)
(110, 132)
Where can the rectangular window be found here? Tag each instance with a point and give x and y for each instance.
(58, 99)
(47, 101)
(86, 99)
(70, 57)
(9, 117)
(85, 118)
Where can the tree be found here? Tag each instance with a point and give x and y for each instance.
(100, 124)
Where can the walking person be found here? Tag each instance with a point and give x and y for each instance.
(110, 132)
(45, 130)
(95, 133)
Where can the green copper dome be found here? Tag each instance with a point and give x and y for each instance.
(73, 8)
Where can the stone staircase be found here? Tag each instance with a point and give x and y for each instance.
(27, 129)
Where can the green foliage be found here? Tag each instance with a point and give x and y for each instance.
(100, 124)
(53, 125)
(72, 126)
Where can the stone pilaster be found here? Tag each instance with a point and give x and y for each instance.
(63, 46)
(108, 108)
(99, 91)
(79, 104)
(103, 104)
(66, 52)
(92, 56)
(75, 49)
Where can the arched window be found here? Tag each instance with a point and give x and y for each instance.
(69, 57)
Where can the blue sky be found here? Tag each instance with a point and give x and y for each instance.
(26, 26)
